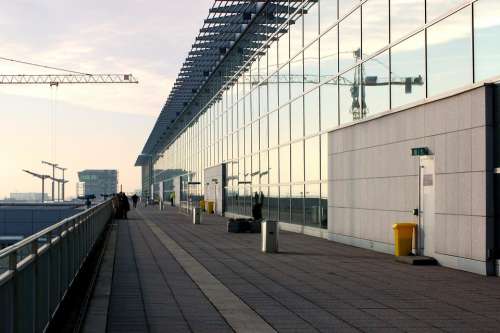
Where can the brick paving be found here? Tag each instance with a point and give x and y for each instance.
(312, 285)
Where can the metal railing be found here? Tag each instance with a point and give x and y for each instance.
(42, 267)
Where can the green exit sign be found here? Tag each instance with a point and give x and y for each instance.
(420, 151)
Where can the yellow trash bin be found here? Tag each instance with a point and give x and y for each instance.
(403, 238)
(202, 205)
(210, 208)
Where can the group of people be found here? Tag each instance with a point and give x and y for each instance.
(121, 204)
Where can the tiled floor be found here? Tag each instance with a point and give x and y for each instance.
(311, 285)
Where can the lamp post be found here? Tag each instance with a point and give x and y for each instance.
(42, 177)
(53, 165)
(62, 183)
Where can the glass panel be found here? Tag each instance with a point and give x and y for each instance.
(349, 95)
(324, 205)
(273, 129)
(311, 66)
(329, 105)
(255, 169)
(375, 25)
(248, 140)
(273, 92)
(375, 92)
(311, 112)
(350, 40)
(312, 206)
(273, 166)
(311, 23)
(274, 203)
(264, 168)
(345, 5)
(328, 13)
(324, 157)
(297, 119)
(295, 36)
(401, 22)
(449, 56)
(284, 169)
(436, 8)
(263, 99)
(263, 133)
(297, 208)
(408, 71)
(486, 32)
(329, 54)
(312, 160)
(284, 203)
(298, 162)
(284, 121)
(265, 202)
(255, 136)
(296, 76)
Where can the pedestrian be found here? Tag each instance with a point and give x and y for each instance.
(125, 205)
(135, 198)
(172, 198)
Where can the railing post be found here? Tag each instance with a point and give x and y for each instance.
(15, 301)
(34, 254)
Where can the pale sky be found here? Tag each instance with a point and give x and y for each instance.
(96, 126)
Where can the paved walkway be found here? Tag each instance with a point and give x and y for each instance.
(173, 276)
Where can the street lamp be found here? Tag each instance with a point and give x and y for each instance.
(53, 165)
(42, 177)
(62, 183)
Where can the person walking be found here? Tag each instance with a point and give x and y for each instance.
(125, 205)
(172, 198)
(135, 198)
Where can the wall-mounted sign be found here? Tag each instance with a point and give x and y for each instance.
(420, 151)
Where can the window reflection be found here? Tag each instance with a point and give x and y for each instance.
(350, 96)
(297, 119)
(273, 166)
(312, 160)
(284, 123)
(328, 13)
(350, 40)
(486, 34)
(273, 129)
(375, 86)
(329, 104)
(346, 5)
(273, 203)
(324, 156)
(311, 22)
(284, 164)
(436, 8)
(312, 207)
(298, 161)
(311, 112)
(408, 71)
(284, 204)
(375, 25)
(297, 204)
(329, 54)
(449, 54)
(401, 22)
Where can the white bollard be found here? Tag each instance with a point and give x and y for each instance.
(196, 215)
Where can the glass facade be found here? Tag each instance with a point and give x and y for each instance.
(331, 63)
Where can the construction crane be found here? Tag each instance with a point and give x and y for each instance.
(57, 79)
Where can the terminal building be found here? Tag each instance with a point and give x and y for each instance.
(348, 116)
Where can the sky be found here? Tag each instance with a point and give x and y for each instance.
(88, 126)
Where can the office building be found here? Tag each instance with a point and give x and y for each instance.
(97, 182)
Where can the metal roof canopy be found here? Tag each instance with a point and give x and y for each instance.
(231, 34)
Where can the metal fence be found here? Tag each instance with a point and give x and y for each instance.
(42, 267)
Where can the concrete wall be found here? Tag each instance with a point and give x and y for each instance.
(374, 179)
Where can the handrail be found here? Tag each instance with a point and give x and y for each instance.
(40, 274)
(26, 241)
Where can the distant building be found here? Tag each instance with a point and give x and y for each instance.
(28, 197)
(98, 182)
